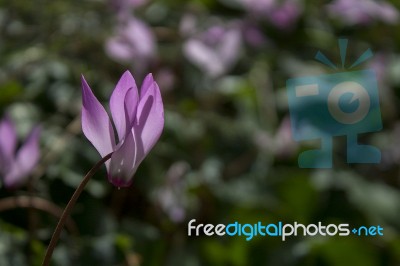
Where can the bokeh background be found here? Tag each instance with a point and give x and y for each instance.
(226, 153)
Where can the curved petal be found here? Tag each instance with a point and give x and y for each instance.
(8, 142)
(149, 119)
(147, 83)
(125, 159)
(26, 159)
(229, 47)
(96, 124)
(130, 109)
(123, 163)
(117, 102)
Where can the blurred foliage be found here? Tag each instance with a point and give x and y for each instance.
(225, 154)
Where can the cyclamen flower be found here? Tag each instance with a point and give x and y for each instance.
(133, 40)
(138, 121)
(15, 167)
(214, 51)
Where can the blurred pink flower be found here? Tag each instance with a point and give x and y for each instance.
(133, 42)
(188, 25)
(282, 14)
(363, 12)
(285, 15)
(253, 35)
(214, 51)
(15, 166)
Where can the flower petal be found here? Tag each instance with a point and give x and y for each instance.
(123, 162)
(26, 159)
(118, 49)
(147, 83)
(130, 108)
(8, 142)
(149, 119)
(133, 40)
(204, 57)
(229, 47)
(118, 99)
(96, 124)
(140, 38)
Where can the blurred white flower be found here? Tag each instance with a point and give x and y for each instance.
(363, 12)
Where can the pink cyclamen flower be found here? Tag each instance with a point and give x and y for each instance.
(214, 51)
(15, 166)
(138, 120)
(133, 40)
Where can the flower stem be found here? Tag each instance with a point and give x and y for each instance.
(68, 209)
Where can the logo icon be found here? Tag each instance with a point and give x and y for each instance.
(339, 104)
